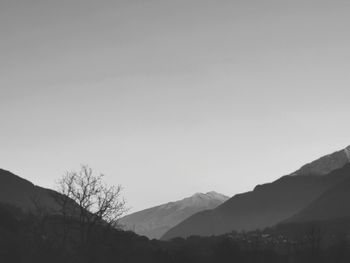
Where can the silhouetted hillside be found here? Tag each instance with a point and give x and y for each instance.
(333, 204)
(19, 192)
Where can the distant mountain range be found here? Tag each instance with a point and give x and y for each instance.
(307, 191)
(155, 221)
(318, 191)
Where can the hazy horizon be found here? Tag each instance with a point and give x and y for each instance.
(169, 98)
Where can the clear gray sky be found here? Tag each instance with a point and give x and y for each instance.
(173, 97)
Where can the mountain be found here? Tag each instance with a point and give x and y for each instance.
(155, 221)
(267, 204)
(21, 193)
(326, 164)
(332, 204)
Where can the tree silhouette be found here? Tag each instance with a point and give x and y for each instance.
(86, 199)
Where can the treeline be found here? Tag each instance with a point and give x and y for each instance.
(30, 238)
(26, 237)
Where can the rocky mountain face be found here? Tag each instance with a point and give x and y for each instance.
(268, 204)
(155, 221)
(326, 164)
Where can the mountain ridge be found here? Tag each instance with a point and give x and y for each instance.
(267, 204)
(325, 164)
(155, 221)
(20, 192)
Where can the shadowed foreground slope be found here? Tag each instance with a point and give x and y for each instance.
(331, 205)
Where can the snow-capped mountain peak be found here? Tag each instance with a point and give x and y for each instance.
(155, 221)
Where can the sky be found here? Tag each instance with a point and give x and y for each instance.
(172, 97)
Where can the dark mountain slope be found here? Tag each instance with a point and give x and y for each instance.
(265, 206)
(333, 204)
(21, 193)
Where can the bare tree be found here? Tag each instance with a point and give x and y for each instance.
(88, 200)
